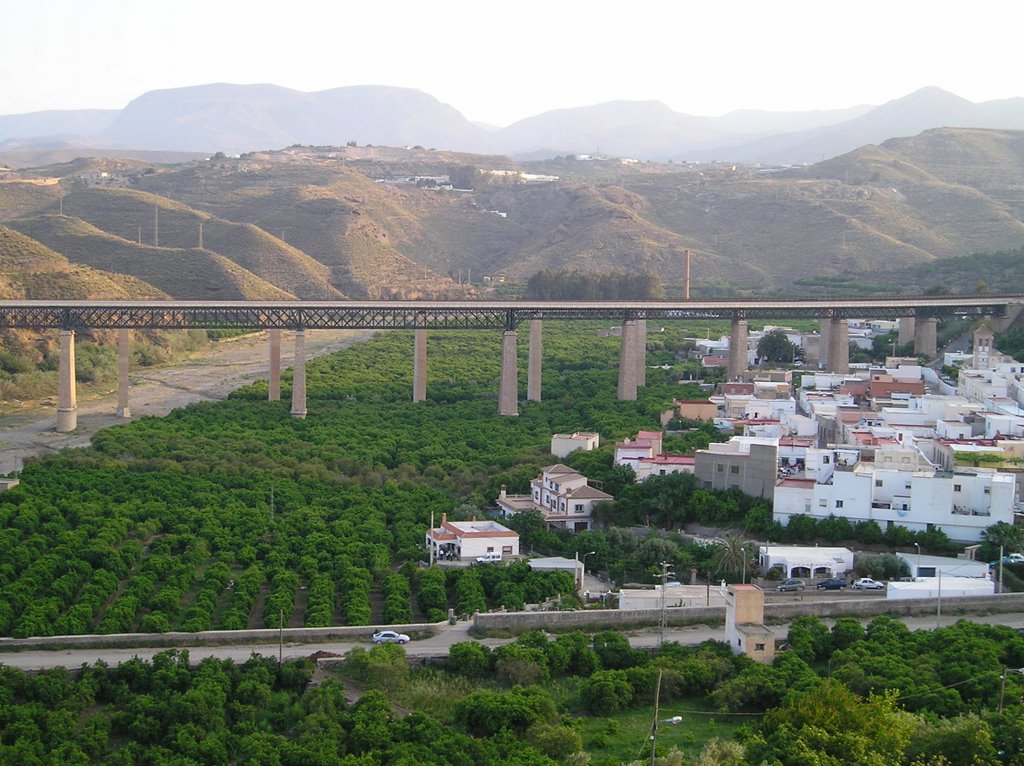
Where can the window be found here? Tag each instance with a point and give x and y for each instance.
(758, 647)
(661, 472)
(956, 487)
(825, 459)
(988, 490)
(822, 503)
(878, 482)
(578, 508)
(506, 550)
(906, 485)
(839, 503)
(721, 468)
(734, 469)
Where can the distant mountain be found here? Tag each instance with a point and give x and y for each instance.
(924, 109)
(73, 122)
(243, 118)
(240, 118)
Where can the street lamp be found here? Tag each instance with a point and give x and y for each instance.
(581, 569)
(917, 569)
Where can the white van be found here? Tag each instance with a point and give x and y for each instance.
(489, 558)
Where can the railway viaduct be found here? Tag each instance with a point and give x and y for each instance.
(918, 317)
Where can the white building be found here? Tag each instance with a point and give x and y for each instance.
(561, 495)
(925, 566)
(645, 457)
(940, 587)
(806, 561)
(961, 503)
(563, 445)
(465, 540)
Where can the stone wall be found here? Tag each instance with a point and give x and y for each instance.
(601, 619)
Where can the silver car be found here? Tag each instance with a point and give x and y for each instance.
(791, 584)
(389, 637)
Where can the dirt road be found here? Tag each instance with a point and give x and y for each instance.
(210, 375)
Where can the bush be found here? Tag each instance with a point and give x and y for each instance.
(469, 659)
(607, 692)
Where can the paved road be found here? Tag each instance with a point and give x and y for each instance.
(433, 646)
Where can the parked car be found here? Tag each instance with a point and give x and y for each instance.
(834, 584)
(389, 637)
(791, 584)
(489, 558)
(1012, 558)
(866, 583)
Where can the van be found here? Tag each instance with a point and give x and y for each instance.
(489, 558)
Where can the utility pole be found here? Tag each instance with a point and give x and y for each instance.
(156, 225)
(280, 639)
(654, 723)
(664, 577)
(200, 235)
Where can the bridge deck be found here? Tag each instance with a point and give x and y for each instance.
(469, 315)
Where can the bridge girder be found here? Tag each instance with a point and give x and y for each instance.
(464, 315)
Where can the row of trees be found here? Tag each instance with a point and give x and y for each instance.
(581, 286)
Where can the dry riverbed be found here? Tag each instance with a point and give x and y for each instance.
(209, 375)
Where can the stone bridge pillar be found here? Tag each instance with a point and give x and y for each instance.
(641, 352)
(824, 325)
(299, 376)
(419, 366)
(67, 396)
(123, 354)
(737, 349)
(907, 331)
(508, 387)
(925, 337)
(839, 346)
(534, 368)
(627, 362)
(274, 383)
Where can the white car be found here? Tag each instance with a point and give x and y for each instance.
(389, 637)
(489, 558)
(866, 583)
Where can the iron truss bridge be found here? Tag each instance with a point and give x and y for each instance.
(466, 315)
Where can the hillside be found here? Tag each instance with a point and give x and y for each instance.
(323, 222)
(181, 273)
(133, 215)
(30, 271)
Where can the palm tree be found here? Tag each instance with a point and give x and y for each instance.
(733, 556)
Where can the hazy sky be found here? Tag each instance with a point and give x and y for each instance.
(498, 62)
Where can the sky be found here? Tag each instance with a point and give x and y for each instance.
(499, 62)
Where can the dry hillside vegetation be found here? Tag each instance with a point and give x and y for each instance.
(181, 273)
(321, 223)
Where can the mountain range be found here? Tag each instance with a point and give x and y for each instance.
(236, 119)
